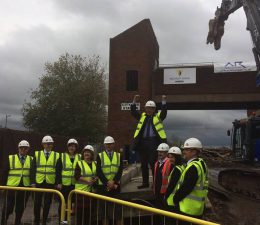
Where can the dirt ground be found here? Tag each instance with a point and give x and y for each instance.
(234, 209)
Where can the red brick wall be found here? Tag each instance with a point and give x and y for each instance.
(134, 49)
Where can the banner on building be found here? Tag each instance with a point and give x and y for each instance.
(238, 66)
(180, 76)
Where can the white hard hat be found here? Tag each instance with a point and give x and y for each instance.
(150, 104)
(109, 140)
(174, 150)
(23, 143)
(192, 143)
(89, 147)
(47, 139)
(72, 141)
(163, 147)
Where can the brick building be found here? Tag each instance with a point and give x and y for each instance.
(134, 69)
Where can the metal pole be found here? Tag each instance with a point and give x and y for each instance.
(6, 116)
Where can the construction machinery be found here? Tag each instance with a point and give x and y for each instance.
(244, 177)
(245, 140)
(252, 11)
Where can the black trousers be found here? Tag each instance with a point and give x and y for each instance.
(148, 156)
(160, 204)
(184, 222)
(17, 200)
(65, 192)
(47, 197)
(106, 209)
(86, 210)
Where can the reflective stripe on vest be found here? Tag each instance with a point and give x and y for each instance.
(109, 168)
(46, 170)
(170, 198)
(165, 174)
(156, 122)
(68, 169)
(194, 203)
(87, 173)
(18, 171)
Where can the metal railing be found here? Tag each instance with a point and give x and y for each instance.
(42, 190)
(140, 211)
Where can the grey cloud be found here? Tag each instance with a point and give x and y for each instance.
(180, 26)
(209, 126)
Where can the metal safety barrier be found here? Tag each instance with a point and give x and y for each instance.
(28, 213)
(135, 213)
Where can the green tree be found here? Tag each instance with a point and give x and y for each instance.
(70, 99)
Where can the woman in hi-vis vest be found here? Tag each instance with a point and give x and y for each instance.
(67, 164)
(86, 179)
(175, 158)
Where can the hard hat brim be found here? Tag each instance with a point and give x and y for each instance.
(149, 106)
(72, 144)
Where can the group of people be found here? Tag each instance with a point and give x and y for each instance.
(65, 172)
(180, 177)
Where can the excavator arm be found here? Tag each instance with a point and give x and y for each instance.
(252, 11)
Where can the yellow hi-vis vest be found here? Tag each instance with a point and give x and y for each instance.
(68, 169)
(156, 122)
(170, 198)
(87, 173)
(109, 167)
(194, 203)
(18, 171)
(46, 170)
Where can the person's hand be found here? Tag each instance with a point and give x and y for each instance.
(110, 184)
(115, 186)
(59, 187)
(92, 181)
(136, 98)
(163, 97)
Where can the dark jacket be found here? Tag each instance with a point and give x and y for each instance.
(176, 174)
(188, 183)
(158, 179)
(137, 116)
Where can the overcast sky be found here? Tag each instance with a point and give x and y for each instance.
(33, 32)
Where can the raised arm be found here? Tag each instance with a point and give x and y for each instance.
(163, 113)
(134, 112)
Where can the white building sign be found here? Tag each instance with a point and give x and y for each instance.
(180, 76)
(126, 106)
(238, 66)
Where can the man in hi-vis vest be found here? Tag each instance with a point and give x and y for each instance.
(148, 135)
(192, 188)
(17, 174)
(45, 173)
(109, 172)
(162, 170)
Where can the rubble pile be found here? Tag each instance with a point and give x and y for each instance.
(217, 156)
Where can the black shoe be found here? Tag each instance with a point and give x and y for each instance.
(143, 186)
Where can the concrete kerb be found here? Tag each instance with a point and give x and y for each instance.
(130, 172)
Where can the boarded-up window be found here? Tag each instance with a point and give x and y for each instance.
(131, 80)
